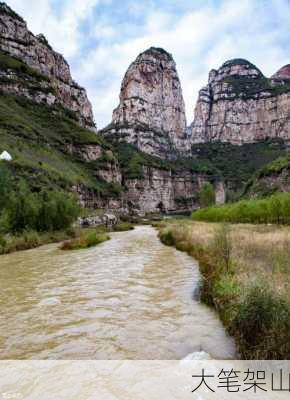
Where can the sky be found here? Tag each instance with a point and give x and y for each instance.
(100, 39)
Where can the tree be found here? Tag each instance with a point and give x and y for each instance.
(5, 185)
(22, 209)
(207, 195)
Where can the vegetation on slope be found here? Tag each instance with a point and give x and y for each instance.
(23, 213)
(248, 88)
(19, 67)
(38, 137)
(272, 210)
(246, 274)
(237, 164)
(234, 164)
(271, 178)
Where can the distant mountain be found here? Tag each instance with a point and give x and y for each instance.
(147, 160)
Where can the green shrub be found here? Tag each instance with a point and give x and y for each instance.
(23, 210)
(124, 226)
(263, 319)
(5, 184)
(167, 237)
(274, 209)
(89, 240)
(207, 195)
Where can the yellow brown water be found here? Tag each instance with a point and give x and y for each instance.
(128, 298)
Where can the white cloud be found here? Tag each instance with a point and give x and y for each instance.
(59, 23)
(201, 37)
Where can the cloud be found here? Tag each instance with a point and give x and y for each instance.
(101, 38)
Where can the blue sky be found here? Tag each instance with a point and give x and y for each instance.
(100, 38)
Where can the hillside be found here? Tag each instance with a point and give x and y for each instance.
(146, 160)
(273, 177)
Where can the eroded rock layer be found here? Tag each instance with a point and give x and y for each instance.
(151, 113)
(37, 71)
(240, 105)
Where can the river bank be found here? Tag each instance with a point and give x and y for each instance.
(31, 239)
(246, 274)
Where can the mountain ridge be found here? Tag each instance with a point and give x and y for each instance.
(144, 161)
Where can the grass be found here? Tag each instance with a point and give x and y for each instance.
(274, 209)
(86, 240)
(37, 137)
(32, 239)
(18, 66)
(246, 272)
(123, 226)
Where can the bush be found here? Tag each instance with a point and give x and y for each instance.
(263, 321)
(274, 209)
(5, 185)
(167, 237)
(124, 226)
(89, 240)
(207, 195)
(57, 211)
(21, 210)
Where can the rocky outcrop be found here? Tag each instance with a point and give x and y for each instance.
(36, 70)
(274, 177)
(159, 191)
(103, 162)
(240, 105)
(283, 74)
(151, 113)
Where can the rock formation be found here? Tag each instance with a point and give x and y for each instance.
(240, 105)
(151, 113)
(283, 74)
(36, 70)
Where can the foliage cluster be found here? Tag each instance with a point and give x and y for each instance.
(23, 210)
(247, 88)
(207, 195)
(89, 239)
(272, 210)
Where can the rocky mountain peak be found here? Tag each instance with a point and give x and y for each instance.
(236, 67)
(283, 73)
(151, 94)
(47, 74)
(151, 104)
(240, 105)
(5, 9)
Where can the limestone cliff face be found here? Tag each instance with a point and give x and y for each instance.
(49, 80)
(151, 113)
(240, 105)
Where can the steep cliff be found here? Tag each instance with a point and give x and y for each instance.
(240, 105)
(144, 160)
(31, 68)
(151, 113)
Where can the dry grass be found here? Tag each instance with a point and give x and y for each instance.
(246, 271)
(259, 252)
